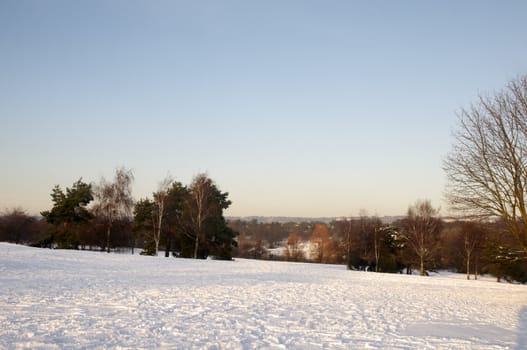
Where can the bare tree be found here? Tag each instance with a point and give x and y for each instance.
(421, 231)
(487, 166)
(376, 232)
(201, 197)
(348, 241)
(204, 230)
(159, 209)
(369, 239)
(377, 245)
(322, 248)
(16, 226)
(114, 199)
(473, 236)
(293, 249)
(344, 232)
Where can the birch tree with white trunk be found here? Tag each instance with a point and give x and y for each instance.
(158, 214)
(421, 232)
(114, 200)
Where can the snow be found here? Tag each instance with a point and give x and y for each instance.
(53, 299)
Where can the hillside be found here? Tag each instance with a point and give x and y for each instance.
(73, 299)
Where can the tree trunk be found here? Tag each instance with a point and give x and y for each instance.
(168, 246)
(469, 245)
(108, 231)
(468, 265)
(157, 242)
(349, 250)
(422, 267)
(196, 246)
(377, 251)
(158, 235)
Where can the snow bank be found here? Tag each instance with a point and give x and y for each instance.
(51, 299)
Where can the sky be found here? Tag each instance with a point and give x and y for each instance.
(296, 108)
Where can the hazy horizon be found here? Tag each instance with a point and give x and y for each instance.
(298, 108)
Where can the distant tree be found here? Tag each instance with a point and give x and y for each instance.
(92, 234)
(367, 240)
(122, 233)
(348, 229)
(69, 208)
(352, 243)
(321, 244)
(16, 226)
(391, 247)
(204, 223)
(149, 216)
(361, 241)
(452, 248)
(159, 209)
(343, 232)
(258, 250)
(200, 206)
(487, 167)
(222, 239)
(293, 250)
(174, 206)
(249, 244)
(505, 262)
(272, 234)
(244, 245)
(376, 238)
(247, 239)
(114, 200)
(421, 232)
(473, 236)
(144, 224)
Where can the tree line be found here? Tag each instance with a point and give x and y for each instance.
(185, 221)
(421, 241)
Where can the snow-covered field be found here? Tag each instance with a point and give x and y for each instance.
(52, 299)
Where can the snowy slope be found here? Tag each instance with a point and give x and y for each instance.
(52, 299)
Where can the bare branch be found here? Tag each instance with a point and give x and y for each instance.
(487, 166)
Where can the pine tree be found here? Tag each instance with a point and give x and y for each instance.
(69, 209)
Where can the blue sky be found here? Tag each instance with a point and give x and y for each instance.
(296, 108)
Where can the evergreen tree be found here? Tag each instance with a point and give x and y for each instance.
(144, 224)
(504, 262)
(69, 210)
(174, 207)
